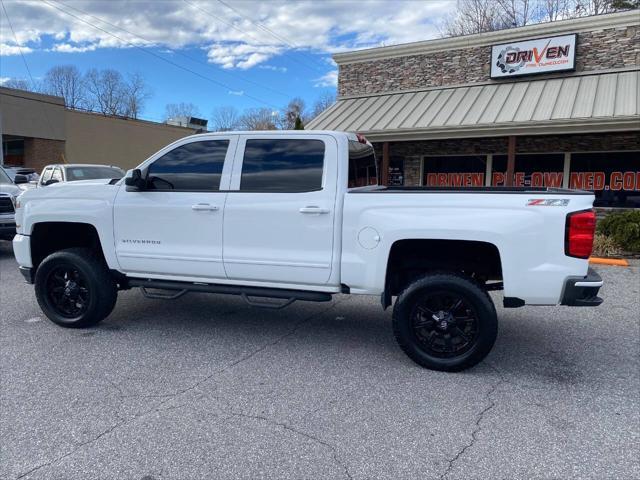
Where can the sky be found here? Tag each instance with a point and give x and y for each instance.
(243, 53)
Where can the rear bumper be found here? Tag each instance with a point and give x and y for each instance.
(582, 291)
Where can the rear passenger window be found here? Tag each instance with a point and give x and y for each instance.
(280, 165)
(195, 166)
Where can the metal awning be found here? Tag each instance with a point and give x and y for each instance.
(597, 102)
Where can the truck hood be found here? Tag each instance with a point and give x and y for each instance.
(80, 189)
(10, 189)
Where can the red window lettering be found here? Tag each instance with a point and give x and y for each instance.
(615, 181)
(536, 179)
(518, 179)
(477, 179)
(576, 180)
(497, 179)
(553, 179)
(599, 179)
(628, 181)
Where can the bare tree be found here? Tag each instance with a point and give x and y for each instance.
(106, 91)
(552, 10)
(66, 81)
(258, 119)
(473, 16)
(294, 109)
(18, 84)
(225, 119)
(514, 13)
(175, 110)
(322, 103)
(136, 93)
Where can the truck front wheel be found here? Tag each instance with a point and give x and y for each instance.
(444, 321)
(74, 288)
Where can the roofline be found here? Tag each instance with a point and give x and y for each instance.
(553, 127)
(595, 22)
(33, 96)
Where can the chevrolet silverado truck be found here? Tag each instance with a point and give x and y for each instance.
(277, 217)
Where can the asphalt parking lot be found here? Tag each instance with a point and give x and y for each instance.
(206, 387)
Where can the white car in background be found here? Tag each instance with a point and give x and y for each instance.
(24, 178)
(64, 172)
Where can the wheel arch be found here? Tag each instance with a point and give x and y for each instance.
(409, 258)
(49, 237)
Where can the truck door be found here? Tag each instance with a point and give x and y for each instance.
(174, 227)
(279, 214)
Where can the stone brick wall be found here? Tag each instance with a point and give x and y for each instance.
(595, 50)
(412, 151)
(39, 152)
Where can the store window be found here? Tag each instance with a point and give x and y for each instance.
(614, 177)
(531, 170)
(396, 172)
(454, 171)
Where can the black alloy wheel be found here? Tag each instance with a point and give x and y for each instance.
(445, 321)
(67, 291)
(75, 288)
(445, 324)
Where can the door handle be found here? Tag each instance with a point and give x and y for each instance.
(204, 207)
(314, 209)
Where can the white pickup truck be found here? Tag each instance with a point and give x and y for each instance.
(282, 216)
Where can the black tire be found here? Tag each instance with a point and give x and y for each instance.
(445, 339)
(74, 288)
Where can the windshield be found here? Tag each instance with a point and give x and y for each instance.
(4, 178)
(362, 165)
(92, 173)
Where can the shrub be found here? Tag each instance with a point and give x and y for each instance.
(604, 246)
(623, 228)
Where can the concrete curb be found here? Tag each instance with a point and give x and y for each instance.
(609, 261)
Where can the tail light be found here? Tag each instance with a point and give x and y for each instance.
(580, 229)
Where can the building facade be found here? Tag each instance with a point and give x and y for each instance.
(38, 130)
(555, 104)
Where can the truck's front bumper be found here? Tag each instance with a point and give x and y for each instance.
(7, 228)
(582, 291)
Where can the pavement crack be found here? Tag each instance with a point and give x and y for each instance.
(302, 433)
(195, 385)
(477, 426)
(68, 454)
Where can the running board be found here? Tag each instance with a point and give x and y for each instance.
(181, 288)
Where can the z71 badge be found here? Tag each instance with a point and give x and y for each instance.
(548, 202)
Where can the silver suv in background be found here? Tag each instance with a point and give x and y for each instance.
(76, 171)
(9, 191)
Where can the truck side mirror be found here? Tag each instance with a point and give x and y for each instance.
(20, 178)
(134, 181)
(50, 182)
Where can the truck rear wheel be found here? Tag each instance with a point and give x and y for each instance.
(74, 288)
(444, 321)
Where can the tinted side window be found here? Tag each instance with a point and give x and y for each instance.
(276, 165)
(196, 166)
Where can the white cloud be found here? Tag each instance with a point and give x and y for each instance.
(273, 68)
(231, 37)
(4, 80)
(7, 49)
(330, 79)
(237, 93)
(68, 48)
